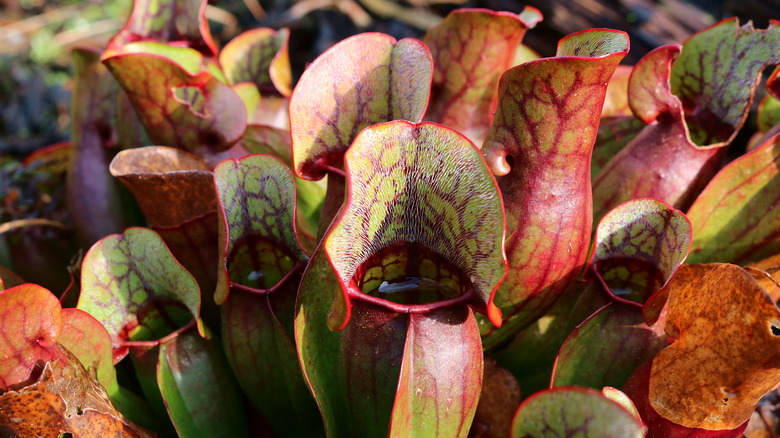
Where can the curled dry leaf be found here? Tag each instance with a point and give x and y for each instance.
(64, 399)
(771, 267)
(171, 186)
(726, 354)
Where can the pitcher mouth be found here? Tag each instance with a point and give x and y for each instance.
(410, 278)
(258, 264)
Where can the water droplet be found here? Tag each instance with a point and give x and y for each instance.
(410, 283)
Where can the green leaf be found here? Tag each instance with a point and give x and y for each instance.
(768, 113)
(134, 286)
(145, 362)
(716, 74)
(263, 358)
(182, 22)
(769, 108)
(371, 354)
(192, 61)
(737, 216)
(441, 375)
(371, 78)
(259, 56)
(546, 335)
(607, 348)
(175, 190)
(201, 396)
(471, 48)
(524, 54)
(264, 139)
(565, 411)
(694, 107)
(318, 347)
(181, 105)
(194, 245)
(539, 148)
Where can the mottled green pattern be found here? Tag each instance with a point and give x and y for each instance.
(422, 184)
(257, 207)
(613, 136)
(716, 73)
(539, 148)
(737, 217)
(592, 43)
(363, 80)
(639, 246)
(124, 274)
(253, 57)
(310, 195)
(471, 48)
(678, 169)
(572, 411)
(174, 21)
(181, 105)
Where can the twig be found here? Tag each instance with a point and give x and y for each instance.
(224, 18)
(23, 223)
(74, 36)
(255, 8)
(418, 18)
